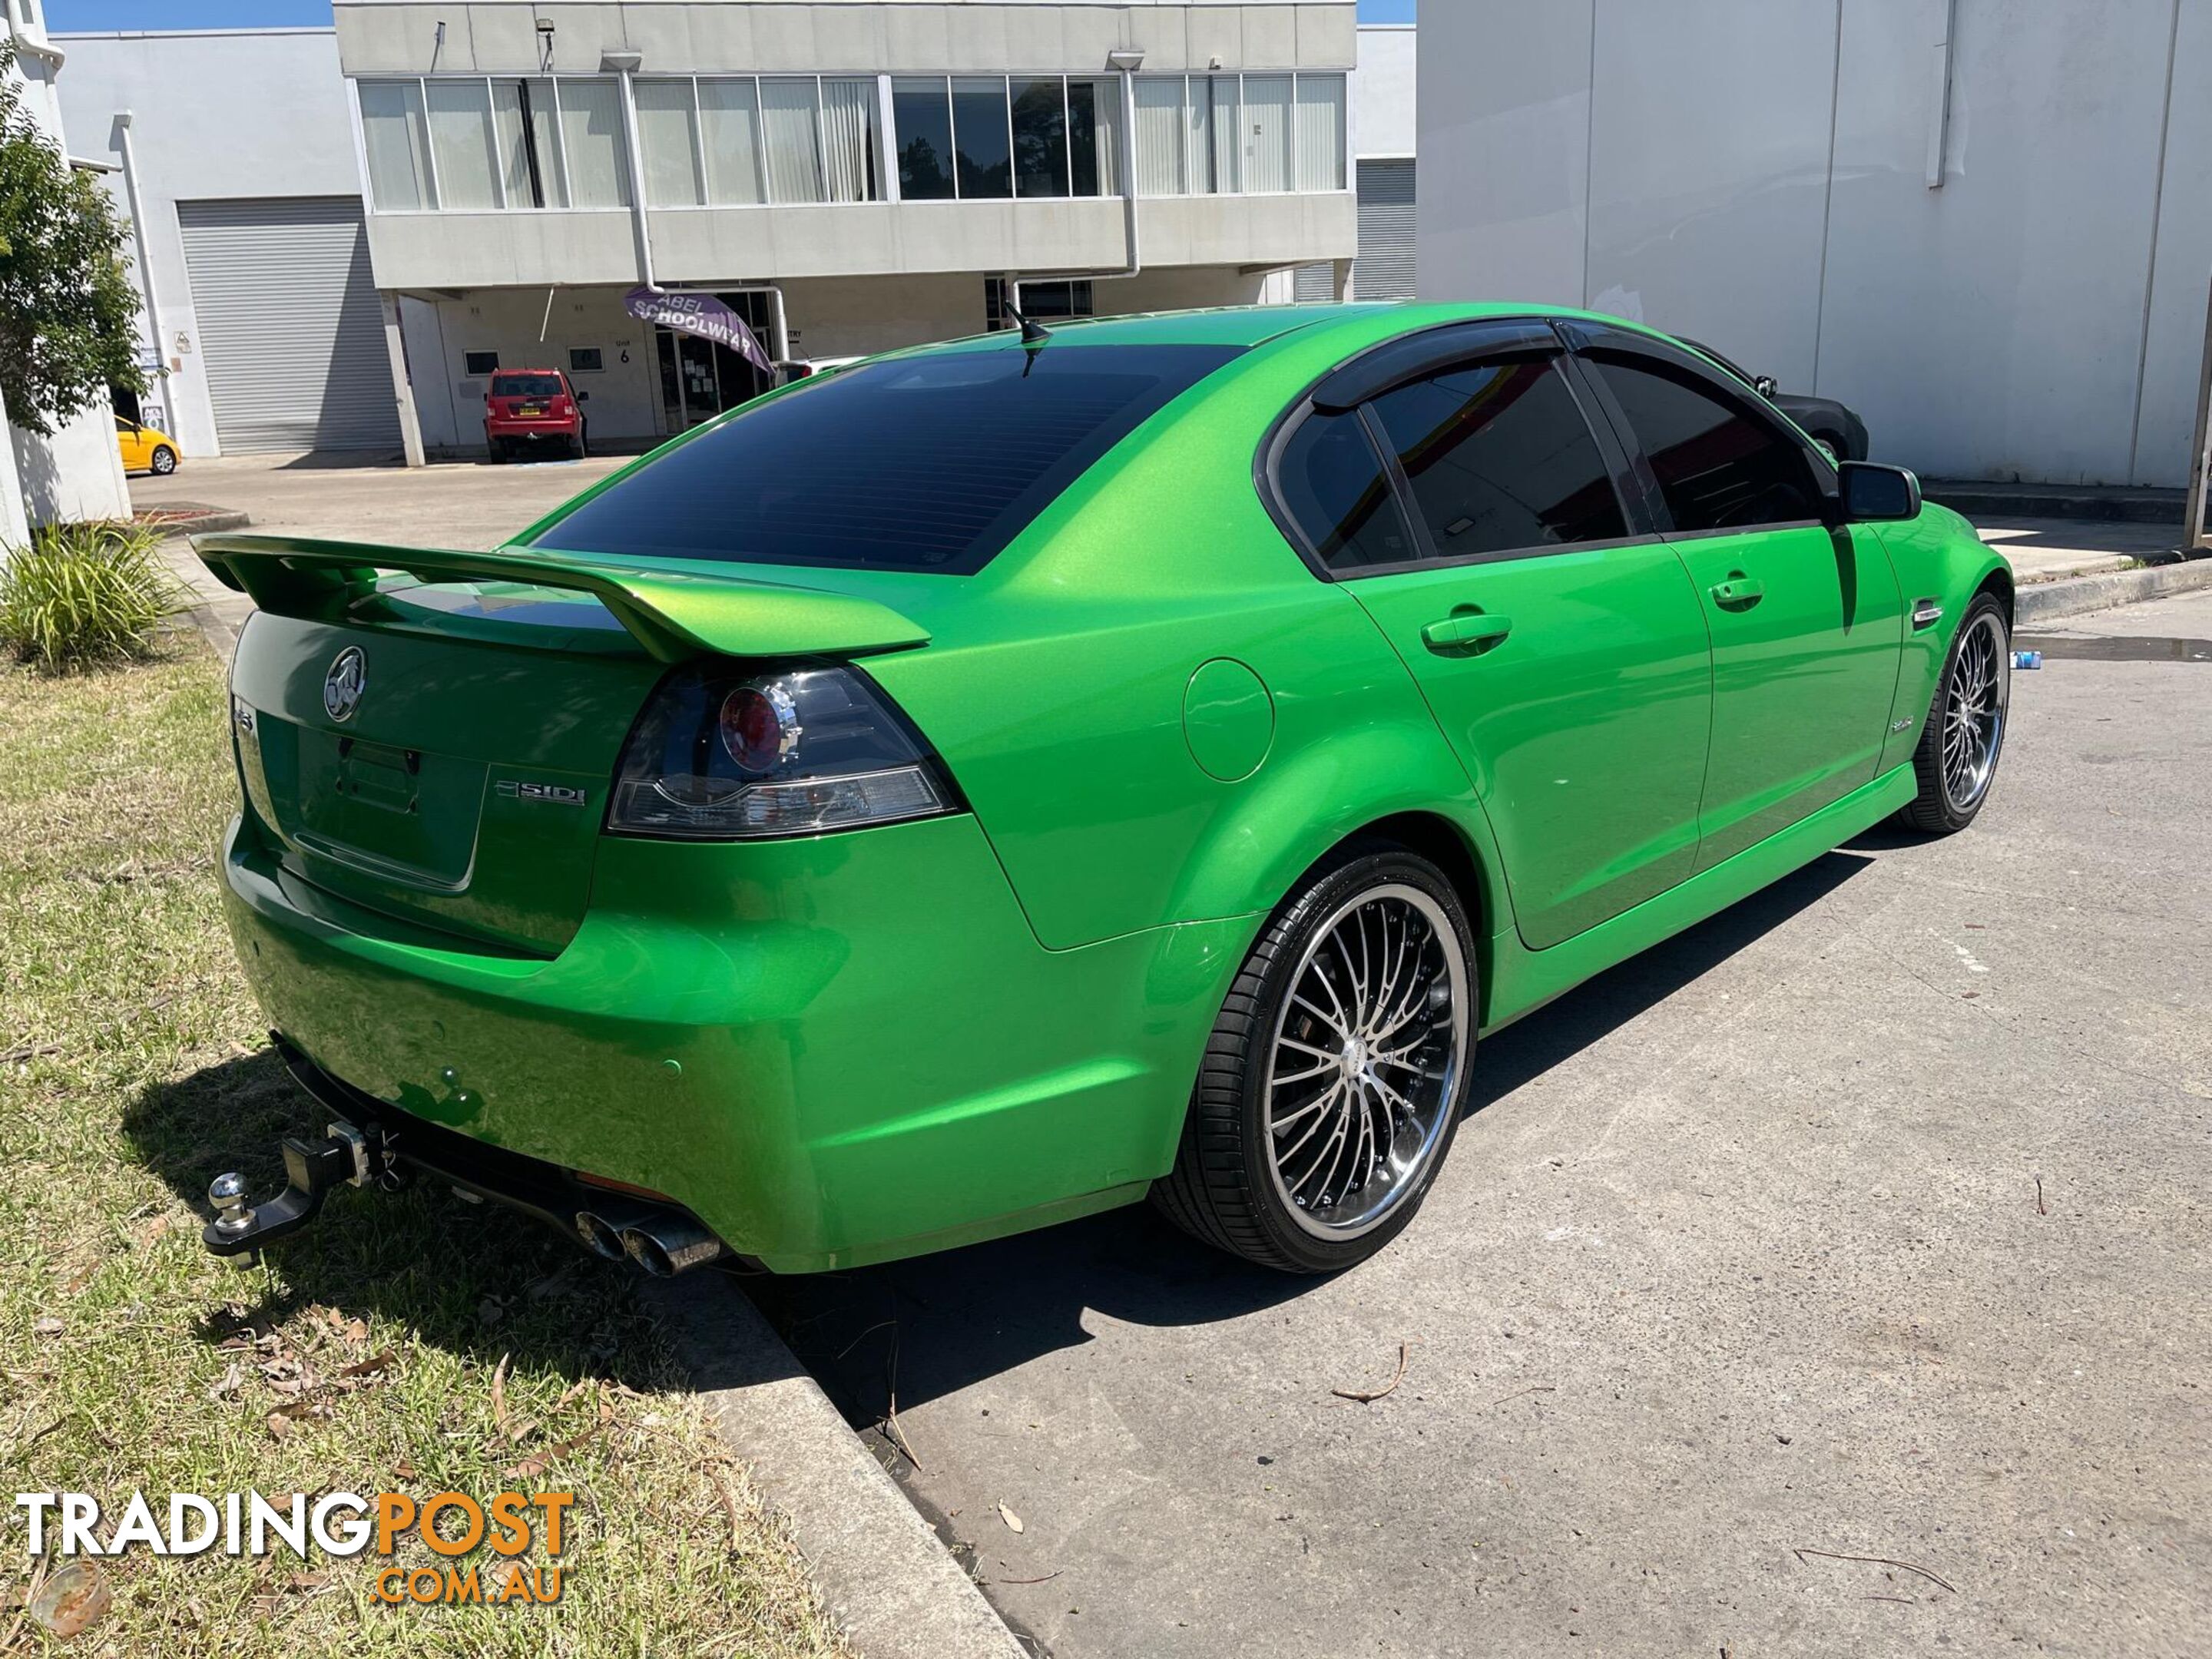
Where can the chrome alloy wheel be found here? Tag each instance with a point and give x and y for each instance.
(1974, 711)
(1366, 1060)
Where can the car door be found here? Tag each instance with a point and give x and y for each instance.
(130, 439)
(1473, 511)
(1805, 613)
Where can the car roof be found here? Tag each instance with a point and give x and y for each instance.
(1256, 326)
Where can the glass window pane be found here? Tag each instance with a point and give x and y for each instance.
(1159, 135)
(460, 143)
(1332, 481)
(394, 132)
(931, 464)
(529, 157)
(1321, 132)
(979, 136)
(667, 128)
(1499, 459)
(1094, 116)
(1267, 158)
(729, 122)
(848, 139)
(592, 145)
(1040, 137)
(921, 117)
(1717, 467)
(795, 160)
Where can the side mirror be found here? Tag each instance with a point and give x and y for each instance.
(583, 397)
(1874, 494)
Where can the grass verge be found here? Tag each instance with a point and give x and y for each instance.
(412, 1345)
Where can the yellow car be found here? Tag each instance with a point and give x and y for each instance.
(145, 450)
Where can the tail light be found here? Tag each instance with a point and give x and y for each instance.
(724, 756)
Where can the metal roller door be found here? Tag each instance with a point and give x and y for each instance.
(290, 326)
(1385, 270)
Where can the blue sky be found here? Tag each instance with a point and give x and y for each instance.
(63, 15)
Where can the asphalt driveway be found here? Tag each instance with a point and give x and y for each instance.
(1867, 1220)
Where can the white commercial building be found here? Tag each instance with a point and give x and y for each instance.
(363, 225)
(76, 472)
(1985, 226)
(1383, 128)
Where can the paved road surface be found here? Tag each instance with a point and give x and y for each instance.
(1744, 1253)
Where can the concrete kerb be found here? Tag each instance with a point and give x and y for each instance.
(2045, 602)
(883, 1572)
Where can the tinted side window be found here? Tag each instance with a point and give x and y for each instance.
(1332, 481)
(1499, 458)
(1718, 468)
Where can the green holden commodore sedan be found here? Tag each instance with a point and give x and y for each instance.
(1012, 778)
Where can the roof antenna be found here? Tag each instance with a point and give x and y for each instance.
(1033, 333)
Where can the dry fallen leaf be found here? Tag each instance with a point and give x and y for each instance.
(1013, 1520)
(228, 1381)
(279, 1426)
(499, 1395)
(534, 1465)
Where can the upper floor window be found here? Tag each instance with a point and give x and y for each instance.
(740, 140)
(1207, 135)
(980, 137)
(472, 143)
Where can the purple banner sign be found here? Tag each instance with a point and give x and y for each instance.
(702, 314)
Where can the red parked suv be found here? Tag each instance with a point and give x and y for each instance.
(526, 407)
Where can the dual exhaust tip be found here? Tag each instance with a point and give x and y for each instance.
(660, 1242)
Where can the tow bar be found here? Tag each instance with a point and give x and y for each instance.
(344, 1154)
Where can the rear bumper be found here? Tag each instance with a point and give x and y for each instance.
(532, 428)
(831, 1052)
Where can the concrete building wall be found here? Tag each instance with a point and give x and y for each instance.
(75, 472)
(286, 133)
(1755, 173)
(839, 36)
(1384, 93)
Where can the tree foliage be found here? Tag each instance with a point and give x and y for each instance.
(67, 306)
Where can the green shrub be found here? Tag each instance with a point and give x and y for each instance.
(85, 593)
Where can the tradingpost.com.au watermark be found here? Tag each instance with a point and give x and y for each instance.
(341, 1524)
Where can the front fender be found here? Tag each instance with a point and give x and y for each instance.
(1936, 556)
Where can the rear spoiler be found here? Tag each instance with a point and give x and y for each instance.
(673, 614)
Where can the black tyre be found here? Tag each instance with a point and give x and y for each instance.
(1964, 734)
(164, 460)
(1334, 1077)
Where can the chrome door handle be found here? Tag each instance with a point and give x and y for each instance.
(1466, 635)
(1737, 593)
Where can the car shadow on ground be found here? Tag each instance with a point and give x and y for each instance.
(470, 1279)
(928, 1327)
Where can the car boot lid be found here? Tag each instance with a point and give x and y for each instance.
(672, 614)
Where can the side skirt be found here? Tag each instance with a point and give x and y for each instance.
(1522, 980)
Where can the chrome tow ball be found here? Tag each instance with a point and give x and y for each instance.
(344, 1154)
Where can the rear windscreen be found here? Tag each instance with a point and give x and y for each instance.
(917, 464)
(525, 386)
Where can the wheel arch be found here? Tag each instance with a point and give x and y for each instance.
(1996, 580)
(1443, 839)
